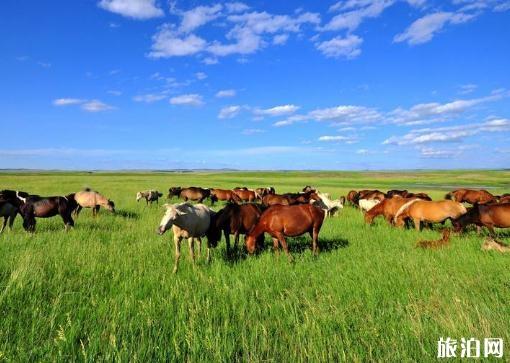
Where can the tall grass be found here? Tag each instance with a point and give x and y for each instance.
(105, 290)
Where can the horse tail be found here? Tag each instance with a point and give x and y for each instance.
(403, 208)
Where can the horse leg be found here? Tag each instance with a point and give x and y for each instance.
(236, 239)
(315, 241)
(78, 210)
(227, 240)
(275, 246)
(283, 243)
(177, 241)
(191, 244)
(417, 224)
(11, 220)
(199, 242)
(5, 223)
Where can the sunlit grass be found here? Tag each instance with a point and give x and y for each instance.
(105, 291)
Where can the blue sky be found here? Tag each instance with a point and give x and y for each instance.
(354, 84)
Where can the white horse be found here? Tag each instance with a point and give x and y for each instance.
(367, 204)
(331, 207)
(187, 221)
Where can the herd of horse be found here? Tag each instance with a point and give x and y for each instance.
(256, 212)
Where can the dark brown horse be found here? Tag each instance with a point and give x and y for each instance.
(235, 219)
(471, 196)
(485, 215)
(46, 207)
(174, 192)
(224, 195)
(10, 204)
(281, 221)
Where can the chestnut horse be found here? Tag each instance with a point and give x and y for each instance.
(225, 195)
(485, 215)
(388, 208)
(289, 198)
(428, 211)
(235, 219)
(351, 197)
(246, 195)
(471, 196)
(291, 221)
(265, 191)
(393, 192)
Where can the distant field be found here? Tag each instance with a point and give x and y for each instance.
(105, 290)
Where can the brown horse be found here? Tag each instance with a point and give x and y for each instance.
(246, 195)
(505, 198)
(196, 194)
(235, 219)
(427, 211)
(388, 208)
(224, 195)
(281, 221)
(422, 196)
(265, 191)
(471, 196)
(275, 199)
(485, 215)
(393, 192)
(351, 197)
(174, 192)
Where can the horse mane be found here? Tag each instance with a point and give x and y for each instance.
(404, 207)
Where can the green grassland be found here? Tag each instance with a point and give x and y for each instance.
(105, 290)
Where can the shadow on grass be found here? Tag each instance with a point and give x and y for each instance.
(127, 214)
(297, 245)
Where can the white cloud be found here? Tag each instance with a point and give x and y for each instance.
(236, 7)
(436, 112)
(67, 101)
(467, 88)
(198, 16)
(252, 131)
(357, 12)
(137, 9)
(280, 39)
(226, 93)
(169, 43)
(210, 60)
(333, 138)
(200, 76)
(188, 99)
(424, 29)
(229, 112)
(348, 47)
(449, 133)
(433, 153)
(149, 98)
(114, 92)
(277, 110)
(96, 106)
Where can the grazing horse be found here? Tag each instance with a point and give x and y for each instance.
(275, 199)
(235, 219)
(428, 211)
(246, 195)
(351, 197)
(367, 204)
(174, 192)
(91, 199)
(46, 207)
(280, 221)
(485, 215)
(471, 196)
(388, 208)
(331, 207)
(196, 194)
(149, 195)
(422, 196)
(265, 191)
(187, 221)
(225, 195)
